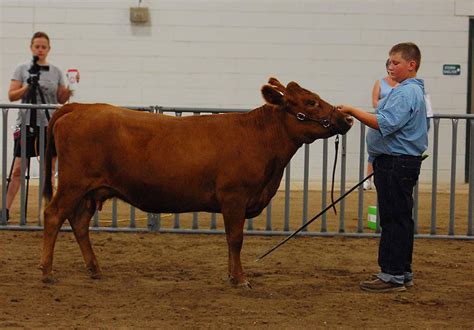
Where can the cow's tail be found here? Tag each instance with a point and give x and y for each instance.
(51, 150)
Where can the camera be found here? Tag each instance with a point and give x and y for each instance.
(35, 70)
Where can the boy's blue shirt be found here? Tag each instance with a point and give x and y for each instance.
(403, 125)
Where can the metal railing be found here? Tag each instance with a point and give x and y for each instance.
(191, 223)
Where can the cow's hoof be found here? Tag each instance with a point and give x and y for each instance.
(49, 279)
(244, 285)
(95, 275)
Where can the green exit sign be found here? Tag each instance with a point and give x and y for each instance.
(451, 69)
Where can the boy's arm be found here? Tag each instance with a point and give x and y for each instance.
(364, 117)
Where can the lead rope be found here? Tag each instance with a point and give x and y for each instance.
(336, 143)
(314, 218)
(334, 202)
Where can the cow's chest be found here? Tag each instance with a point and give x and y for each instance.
(261, 199)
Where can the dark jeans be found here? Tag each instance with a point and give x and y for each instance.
(395, 178)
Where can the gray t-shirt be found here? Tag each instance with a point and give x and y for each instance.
(49, 82)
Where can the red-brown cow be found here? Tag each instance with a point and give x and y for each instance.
(228, 163)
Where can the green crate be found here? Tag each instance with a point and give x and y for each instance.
(372, 217)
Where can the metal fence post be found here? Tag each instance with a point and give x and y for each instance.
(132, 217)
(452, 199)
(471, 178)
(213, 221)
(434, 178)
(286, 226)
(342, 208)
(360, 221)
(95, 219)
(4, 165)
(23, 167)
(268, 225)
(42, 143)
(114, 213)
(154, 222)
(250, 224)
(324, 188)
(305, 185)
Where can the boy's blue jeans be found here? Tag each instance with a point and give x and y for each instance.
(394, 178)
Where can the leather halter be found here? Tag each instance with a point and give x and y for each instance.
(325, 122)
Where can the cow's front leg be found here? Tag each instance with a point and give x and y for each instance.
(234, 229)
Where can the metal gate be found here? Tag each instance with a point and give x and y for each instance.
(302, 192)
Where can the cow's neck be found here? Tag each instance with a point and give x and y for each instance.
(273, 123)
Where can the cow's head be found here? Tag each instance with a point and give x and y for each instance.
(307, 112)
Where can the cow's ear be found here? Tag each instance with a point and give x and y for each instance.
(272, 95)
(278, 85)
(292, 86)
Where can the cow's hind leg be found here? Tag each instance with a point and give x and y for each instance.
(80, 227)
(53, 220)
(234, 229)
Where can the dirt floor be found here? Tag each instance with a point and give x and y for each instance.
(180, 281)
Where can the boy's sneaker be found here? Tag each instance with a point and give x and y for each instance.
(406, 283)
(380, 286)
(7, 212)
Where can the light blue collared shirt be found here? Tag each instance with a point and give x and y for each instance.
(403, 125)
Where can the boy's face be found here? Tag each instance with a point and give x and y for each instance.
(401, 69)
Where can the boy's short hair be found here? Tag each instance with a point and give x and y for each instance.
(409, 52)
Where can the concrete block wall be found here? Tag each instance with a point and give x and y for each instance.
(218, 53)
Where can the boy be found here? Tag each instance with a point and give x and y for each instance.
(397, 136)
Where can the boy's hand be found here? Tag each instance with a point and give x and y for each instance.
(364, 117)
(345, 108)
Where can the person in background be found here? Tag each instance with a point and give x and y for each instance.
(52, 85)
(381, 89)
(397, 138)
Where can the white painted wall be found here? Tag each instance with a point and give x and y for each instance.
(218, 53)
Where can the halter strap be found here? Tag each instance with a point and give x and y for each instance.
(325, 122)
